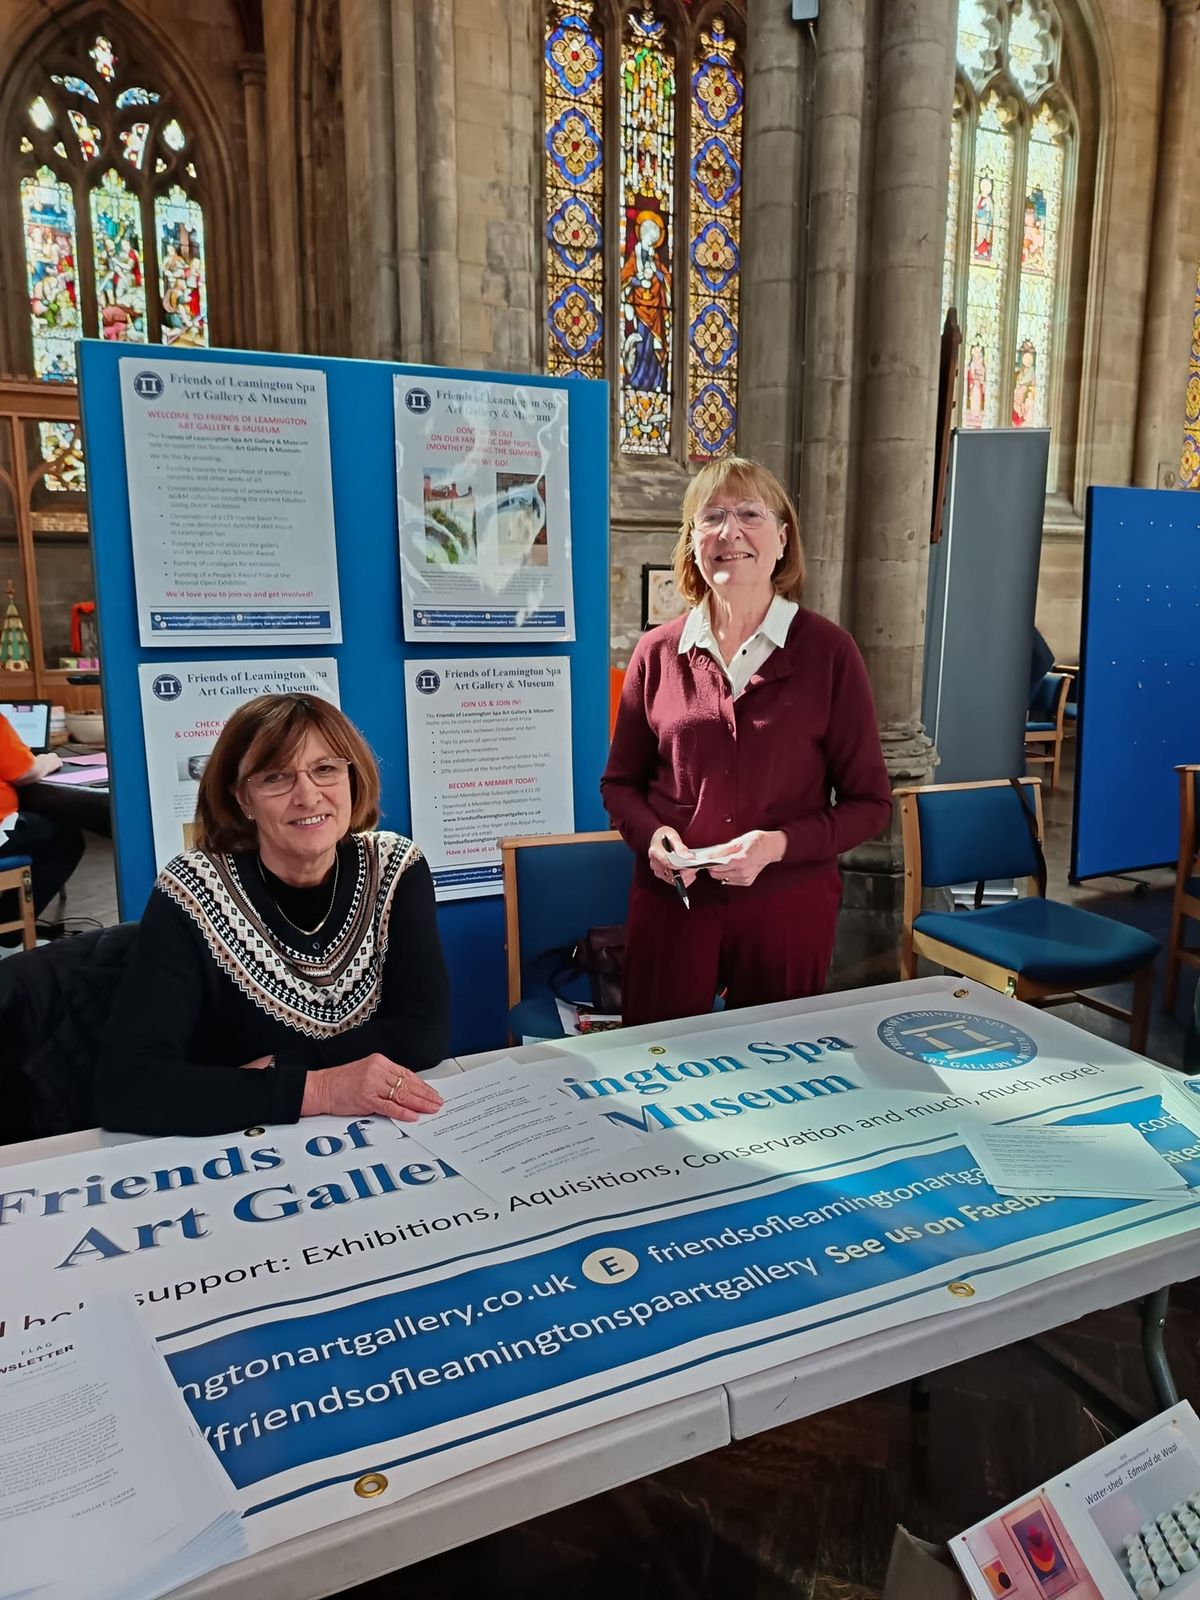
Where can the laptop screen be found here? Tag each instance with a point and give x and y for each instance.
(30, 722)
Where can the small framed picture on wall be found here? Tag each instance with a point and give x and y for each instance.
(661, 601)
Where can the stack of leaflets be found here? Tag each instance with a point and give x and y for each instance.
(1103, 1159)
(107, 1487)
(1123, 1523)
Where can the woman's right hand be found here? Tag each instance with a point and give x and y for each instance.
(371, 1087)
(667, 839)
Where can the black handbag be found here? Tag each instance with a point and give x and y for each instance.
(600, 958)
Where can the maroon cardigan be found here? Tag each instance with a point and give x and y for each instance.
(686, 754)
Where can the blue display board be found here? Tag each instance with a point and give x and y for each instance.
(1139, 694)
(362, 448)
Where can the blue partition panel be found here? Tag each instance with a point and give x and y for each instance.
(362, 449)
(1139, 696)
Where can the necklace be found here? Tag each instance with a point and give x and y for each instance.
(337, 865)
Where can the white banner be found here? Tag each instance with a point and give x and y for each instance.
(335, 1298)
(230, 503)
(185, 704)
(485, 513)
(489, 756)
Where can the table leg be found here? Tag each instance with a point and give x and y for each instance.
(1158, 1369)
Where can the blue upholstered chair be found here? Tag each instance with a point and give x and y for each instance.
(1044, 723)
(1036, 949)
(556, 887)
(16, 873)
(1186, 900)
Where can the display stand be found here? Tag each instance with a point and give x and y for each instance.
(369, 660)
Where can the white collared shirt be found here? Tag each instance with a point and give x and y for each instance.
(772, 632)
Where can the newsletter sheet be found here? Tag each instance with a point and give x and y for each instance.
(230, 503)
(185, 704)
(485, 513)
(489, 755)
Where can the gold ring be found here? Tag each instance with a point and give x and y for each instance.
(392, 1090)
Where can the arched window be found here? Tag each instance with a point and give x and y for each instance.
(1007, 220)
(108, 206)
(643, 148)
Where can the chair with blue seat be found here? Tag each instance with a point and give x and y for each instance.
(1035, 949)
(1186, 899)
(556, 887)
(16, 873)
(1044, 723)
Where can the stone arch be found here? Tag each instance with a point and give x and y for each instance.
(322, 217)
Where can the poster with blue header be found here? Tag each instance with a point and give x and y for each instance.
(339, 1296)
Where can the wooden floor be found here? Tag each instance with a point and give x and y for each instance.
(809, 1510)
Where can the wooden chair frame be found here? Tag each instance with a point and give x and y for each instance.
(1183, 904)
(508, 862)
(1053, 737)
(1072, 672)
(992, 974)
(20, 879)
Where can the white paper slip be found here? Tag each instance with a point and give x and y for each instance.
(499, 1127)
(698, 858)
(1100, 1159)
(107, 1487)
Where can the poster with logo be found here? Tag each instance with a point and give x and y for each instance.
(337, 1297)
(185, 704)
(485, 513)
(230, 503)
(489, 757)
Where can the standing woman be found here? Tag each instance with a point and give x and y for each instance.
(745, 724)
(288, 966)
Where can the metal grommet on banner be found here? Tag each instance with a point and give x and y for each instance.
(658, 1049)
(961, 994)
(370, 1484)
(254, 1133)
(964, 1291)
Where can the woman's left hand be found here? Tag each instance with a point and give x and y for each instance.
(746, 856)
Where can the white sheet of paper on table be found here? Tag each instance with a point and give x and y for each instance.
(1101, 1159)
(499, 1128)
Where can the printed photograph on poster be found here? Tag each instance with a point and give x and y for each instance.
(484, 508)
(185, 704)
(230, 503)
(489, 756)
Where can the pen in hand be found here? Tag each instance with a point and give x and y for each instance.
(677, 879)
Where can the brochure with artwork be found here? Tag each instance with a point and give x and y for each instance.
(1124, 1522)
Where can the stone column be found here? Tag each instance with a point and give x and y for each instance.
(833, 208)
(1174, 245)
(405, 96)
(439, 178)
(370, 176)
(777, 69)
(252, 69)
(912, 156)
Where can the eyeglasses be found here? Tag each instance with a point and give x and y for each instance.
(326, 774)
(753, 516)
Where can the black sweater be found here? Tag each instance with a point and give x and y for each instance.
(219, 977)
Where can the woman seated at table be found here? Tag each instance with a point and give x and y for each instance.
(288, 966)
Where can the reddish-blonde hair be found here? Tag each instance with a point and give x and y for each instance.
(738, 474)
(267, 732)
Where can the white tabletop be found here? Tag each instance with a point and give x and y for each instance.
(536, 1481)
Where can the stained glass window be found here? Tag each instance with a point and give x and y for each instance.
(1010, 153)
(1189, 461)
(574, 176)
(647, 298)
(126, 170)
(179, 226)
(643, 223)
(715, 248)
(48, 215)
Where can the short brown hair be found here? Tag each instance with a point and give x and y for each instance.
(267, 732)
(737, 472)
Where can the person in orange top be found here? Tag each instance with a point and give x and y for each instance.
(54, 850)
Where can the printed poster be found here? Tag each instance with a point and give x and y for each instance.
(185, 704)
(489, 757)
(482, 479)
(230, 503)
